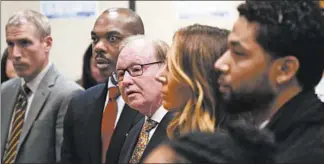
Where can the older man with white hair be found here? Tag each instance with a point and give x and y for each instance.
(139, 61)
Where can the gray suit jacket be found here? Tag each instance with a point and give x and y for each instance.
(42, 134)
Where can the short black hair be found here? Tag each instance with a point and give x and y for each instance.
(242, 143)
(291, 28)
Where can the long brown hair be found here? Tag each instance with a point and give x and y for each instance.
(197, 47)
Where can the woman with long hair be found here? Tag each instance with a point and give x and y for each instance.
(189, 80)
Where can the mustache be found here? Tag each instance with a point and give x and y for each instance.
(100, 54)
(220, 79)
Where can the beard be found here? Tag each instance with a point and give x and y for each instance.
(247, 98)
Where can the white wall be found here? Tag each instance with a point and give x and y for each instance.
(72, 36)
(161, 21)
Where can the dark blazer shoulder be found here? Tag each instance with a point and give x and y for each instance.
(82, 126)
(128, 119)
(130, 142)
(88, 96)
(95, 90)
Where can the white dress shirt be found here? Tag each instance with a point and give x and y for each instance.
(264, 124)
(319, 90)
(120, 102)
(157, 116)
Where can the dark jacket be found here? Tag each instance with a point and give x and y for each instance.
(82, 128)
(299, 129)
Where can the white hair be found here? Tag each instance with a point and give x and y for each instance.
(160, 47)
(130, 39)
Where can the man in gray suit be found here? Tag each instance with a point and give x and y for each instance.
(32, 106)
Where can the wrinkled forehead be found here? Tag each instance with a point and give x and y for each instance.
(21, 30)
(138, 52)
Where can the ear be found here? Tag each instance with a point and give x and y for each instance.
(286, 69)
(48, 40)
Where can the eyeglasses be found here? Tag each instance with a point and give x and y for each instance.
(133, 70)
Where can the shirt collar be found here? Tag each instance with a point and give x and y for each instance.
(110, 83)
(33, 84)
(319, 89)
(158, 115)
(264, 124)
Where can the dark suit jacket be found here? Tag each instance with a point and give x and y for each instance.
(158, 137)
(82, 128)
(299, 129)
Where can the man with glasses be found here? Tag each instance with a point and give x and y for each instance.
(139, 61)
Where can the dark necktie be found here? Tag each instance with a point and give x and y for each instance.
(108, 120)
(17, 124)
(142, 140)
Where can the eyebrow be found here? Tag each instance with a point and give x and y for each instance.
(136, 62)
(19, 39)
(107, 33)
(235, 43)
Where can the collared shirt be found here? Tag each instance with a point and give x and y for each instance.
(319, 90)
(157, 116)
(120, 102)
(33, 86)
(264, 124)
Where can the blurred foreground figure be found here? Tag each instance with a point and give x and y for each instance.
(241, 144)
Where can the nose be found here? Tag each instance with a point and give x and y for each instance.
(15, 52)
(222, 64)
(161, 76)
(99, 48)
(127, 80)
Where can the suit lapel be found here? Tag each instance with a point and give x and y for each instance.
(95, 109)
(7, 111)
(38, 101)
(159, 135)
(126, 121)
(133, 139)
